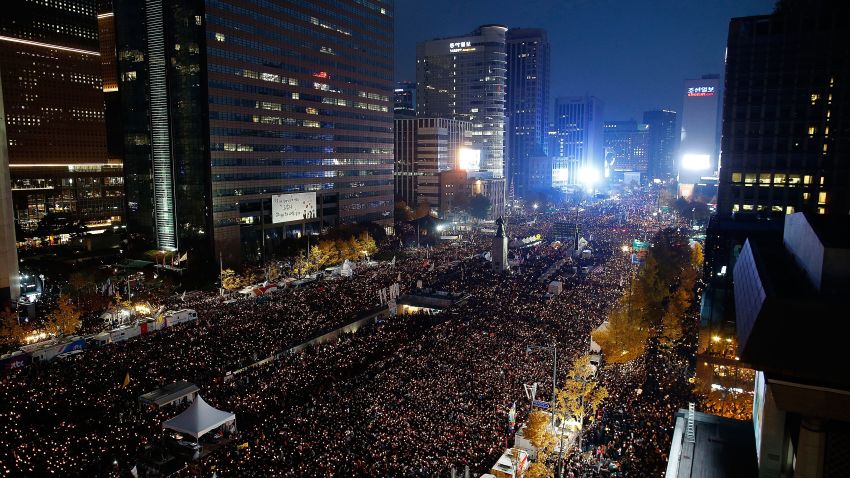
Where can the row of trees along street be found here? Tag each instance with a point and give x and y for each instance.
(325, 253)
(653, 326)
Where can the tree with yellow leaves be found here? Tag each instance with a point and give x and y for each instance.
(624, 338)
(538, 431)
(318, 257)
(697, 256)
(230, 280)
(579, 399)
(367, 243)
(64, 319)
(11, 331)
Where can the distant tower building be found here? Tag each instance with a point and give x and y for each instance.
(463, 78)
(578, 134)
(699, 135)
(425, 147)
(527, 106)
(626, 146)
(499, 252)
(662, 142)
(404, 99)
(9, 279)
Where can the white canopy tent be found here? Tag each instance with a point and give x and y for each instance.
(199, 419)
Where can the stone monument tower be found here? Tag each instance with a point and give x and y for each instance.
(499, 252)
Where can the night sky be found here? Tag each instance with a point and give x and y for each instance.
(632, 54)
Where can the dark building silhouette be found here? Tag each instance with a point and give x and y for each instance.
(663, 141)
(785, 117)
(404, 99)
(626, 146)
(527, 107)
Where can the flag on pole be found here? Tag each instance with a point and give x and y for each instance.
(392, 263)
(126, 380)
(184, 257)
(512, 415)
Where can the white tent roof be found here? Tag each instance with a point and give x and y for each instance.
(198, 419)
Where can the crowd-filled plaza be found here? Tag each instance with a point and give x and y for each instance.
(406, 396)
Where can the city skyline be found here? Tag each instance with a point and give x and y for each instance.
(694, 33)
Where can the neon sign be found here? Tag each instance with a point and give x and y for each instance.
(701, 91)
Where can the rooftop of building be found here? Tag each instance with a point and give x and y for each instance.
(791, 298)
(721, 448)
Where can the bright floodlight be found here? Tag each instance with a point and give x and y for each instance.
(440, 227)
(588, 176)
(696, 162)
(469, 159)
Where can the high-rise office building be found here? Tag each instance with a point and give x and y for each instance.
(249, 122)
(404, 99)
(425, 147)
(576, 141)
(698, 147)
(527, 107)
(463, 78)
(9, 277)
(53, 95)
(786, 114)
(626, 146)
(109, 75)
(663, 140)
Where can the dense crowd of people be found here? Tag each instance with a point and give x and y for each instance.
(410, 396)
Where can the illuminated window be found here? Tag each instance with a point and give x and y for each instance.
(812, 130)
(821, 180)
(736, 177)
(793, 179)
(779, 179)
(822, 197)
(806, 196)
(789, 210)
(764, 178)
(748, 207)
(750, 178)
(295, 96)
(735, 208)
(807, 179)
(821, 210)
(825, 147)
(219, 37)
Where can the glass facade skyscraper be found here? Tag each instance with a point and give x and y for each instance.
(464, 78)
(576, 141)
(527, 106)
(55, 123)
(230, 102)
